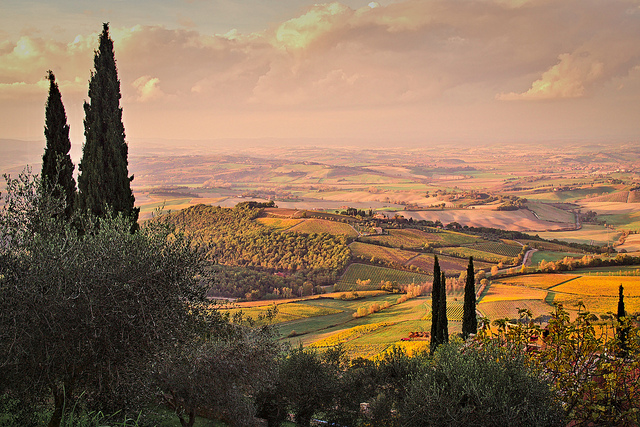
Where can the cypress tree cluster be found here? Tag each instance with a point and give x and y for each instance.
(104, 182)
(439, 323)
(57, 167)
(469, 319)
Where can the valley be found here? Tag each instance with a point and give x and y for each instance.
(385, 214)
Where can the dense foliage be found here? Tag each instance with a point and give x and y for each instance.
(241, 282)
(594, 373)
(86, 314)
(457, 386)
(232, 237)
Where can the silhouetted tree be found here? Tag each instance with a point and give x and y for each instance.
(623, 330)
(104, 183)
(435, 304)
(443, 324)
(469, 319)
(57, 167)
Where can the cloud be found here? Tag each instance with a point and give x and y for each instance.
(410, 55)
(567, 79)
(300, 32)
(147, 88)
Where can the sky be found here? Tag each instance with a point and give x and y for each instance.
(391, 72)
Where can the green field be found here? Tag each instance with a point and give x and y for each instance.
(376, 274)
(630, 270)
(549, 256)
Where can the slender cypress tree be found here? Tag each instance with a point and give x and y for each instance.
(622, 330)
(57, 167)
(443, 324)
(435, 302)
(469, 319)
(104, 182)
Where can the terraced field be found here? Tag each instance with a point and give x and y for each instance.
(376, 274)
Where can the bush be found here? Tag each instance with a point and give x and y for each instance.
(479, 387)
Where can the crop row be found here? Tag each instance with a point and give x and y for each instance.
(497, 248)
(455, 310)
(363, 272)
(509, 309)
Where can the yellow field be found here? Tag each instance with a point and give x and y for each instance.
(602, 286)
(509, 309)
(410, 347)
(539, 281)
(349, 334)
(597, 304)
(498, 292)
(286, 311)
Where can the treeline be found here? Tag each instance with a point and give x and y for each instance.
(568, 263)
(232, 237)
(513, 203)
(240, 282)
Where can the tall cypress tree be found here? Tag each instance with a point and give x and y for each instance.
(104, 182)
(622, 330)
(57, 167)
(469, 319)
(435, 303)
(443, 323)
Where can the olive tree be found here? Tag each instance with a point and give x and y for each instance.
(87, 313)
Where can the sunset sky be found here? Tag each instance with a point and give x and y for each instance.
(392, 71)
